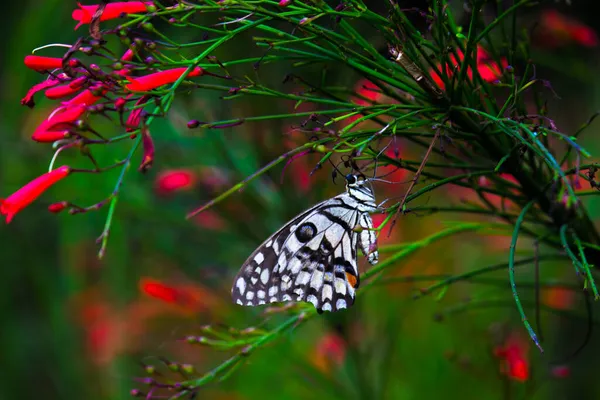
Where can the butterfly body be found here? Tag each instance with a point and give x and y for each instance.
(313, 258)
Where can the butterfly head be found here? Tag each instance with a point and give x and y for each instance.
(354, 181)
(359, 187)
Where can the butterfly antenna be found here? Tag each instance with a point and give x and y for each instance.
(335, 171)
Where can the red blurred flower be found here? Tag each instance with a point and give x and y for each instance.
(175, 180)
(558, 297)
(561, 371)
(497, 200)
(209, 219)
(112, 10)
(28, 193)
(152, 81)
(558, 30)
(514, 357)
(188, 297)
(330, 352)
(368, 93)
(488, 69)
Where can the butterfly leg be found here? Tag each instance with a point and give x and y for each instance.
(367, 240)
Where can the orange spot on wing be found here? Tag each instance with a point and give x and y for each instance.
(351, 279)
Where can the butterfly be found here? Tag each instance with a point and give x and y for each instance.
(313, 257)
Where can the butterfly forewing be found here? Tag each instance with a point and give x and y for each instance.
(312, 258)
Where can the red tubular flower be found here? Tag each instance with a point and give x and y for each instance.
(28, 193)
(58, 92)
(49, 136)
(148, 145)
(112, 10)
(175, 180)
(58, 207)
(152, 81)
(128, 55)
(28, 99)
(134, 118)
(85, 98)
(39, 63)
(60, 120)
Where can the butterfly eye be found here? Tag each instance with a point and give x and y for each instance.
(351, 179)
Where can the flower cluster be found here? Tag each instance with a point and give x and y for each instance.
(89, 80)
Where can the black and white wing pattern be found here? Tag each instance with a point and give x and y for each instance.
(313, 257)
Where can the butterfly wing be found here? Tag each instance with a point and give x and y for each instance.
(312, 259)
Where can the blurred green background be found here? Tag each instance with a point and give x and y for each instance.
(76, 327)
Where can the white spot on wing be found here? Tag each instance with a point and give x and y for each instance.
(239, 302)
(326, 307)
(241, 285)
(341, 303)
(340, 286)
(254, 280)
(312, 299)
(259, 258)
(261, 302)
(299, 292)
(249, 295)
(273, 290)
(295, 265)
(261, 294)
(269, 243)
(281, 261)
(286, 285)
(327, 293)
(264, 276)
(286, 297)
(303, 278)
(317, 279)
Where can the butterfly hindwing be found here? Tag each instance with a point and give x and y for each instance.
(258, 274)
(312, 258)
